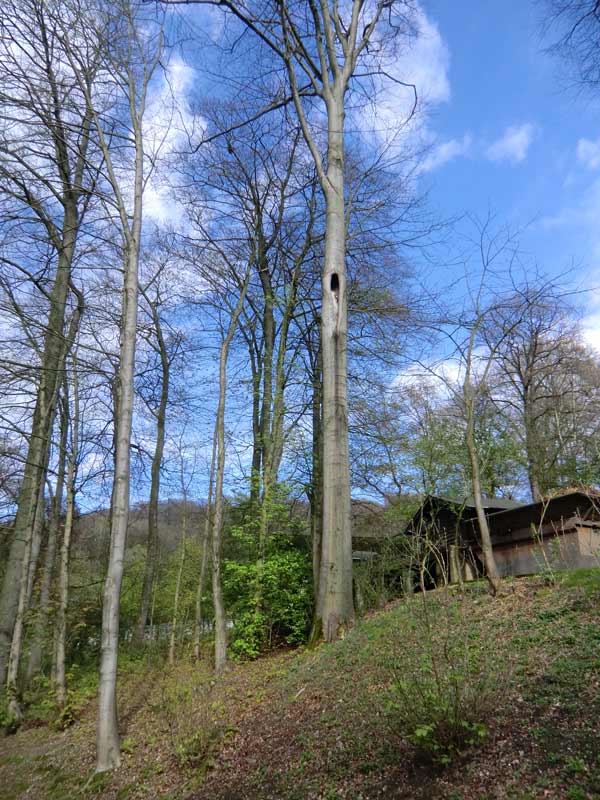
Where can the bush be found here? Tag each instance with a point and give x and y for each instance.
(185, 710)
(269, 599)
(452, 680)
(284, 611)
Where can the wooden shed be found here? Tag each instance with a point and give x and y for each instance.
(561, 532)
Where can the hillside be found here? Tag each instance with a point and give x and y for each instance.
(357, 719)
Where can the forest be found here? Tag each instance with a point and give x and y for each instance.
(244, 335)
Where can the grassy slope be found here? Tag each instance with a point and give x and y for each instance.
(319, 724)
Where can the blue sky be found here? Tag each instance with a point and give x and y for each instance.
(506, 132)
(509, 135)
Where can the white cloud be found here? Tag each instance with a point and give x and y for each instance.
(427, 62)
(588, 152)
(161, 206)
(440, 376)
(513, 145)
(590, 329)
(170, 125)
(590, 322)
(169, 122)
(444, 152)
(423, 62)
(579, 220)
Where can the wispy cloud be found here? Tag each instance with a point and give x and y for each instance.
(171, 124)
(443, 376)
(583, 213)
(422, 63)
(591, 331)
(427, 62)
(590, 322)
(513, 145)
(444, 152)
(588, 152)
(577, 221)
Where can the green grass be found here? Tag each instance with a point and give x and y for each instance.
(326, 722)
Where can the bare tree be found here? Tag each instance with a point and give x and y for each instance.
(576, 23)
(166, 348)
(217, 522)
(476, 351)
(320, 47)
(471, 386)
(131, 48)
(542, 347)
(65, 548)
(46, 174)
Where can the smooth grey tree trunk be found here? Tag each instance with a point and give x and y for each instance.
(161, 414)
(107, 740)
(65, 550)
(175, 617)
(37, 646)
(335, 608)
(316, 497)
(205, 545)
(36, 463)
(217, 528)
(135, 67)
(108, 735)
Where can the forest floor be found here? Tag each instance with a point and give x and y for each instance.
(367, 717)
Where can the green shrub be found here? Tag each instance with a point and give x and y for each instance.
(268, 598)
(269, 604)
(194, 750)
(193, 733)
(8, 723)
(452, 680)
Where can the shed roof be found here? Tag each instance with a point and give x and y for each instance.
(504, 514)
(458, 508)
(574, 503)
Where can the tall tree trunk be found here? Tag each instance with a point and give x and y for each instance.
(37, 645)
(28, 567)
(161, 413)
(36, 463)
(335, 607)
(531, 449)
(108, 750)
(217, 529)
(316, 496)
(36, 544)
(205, 545)
(266, 440)
(65, 550)
(256, 366)
(487, 550)
(280, 374)
(175, 618)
